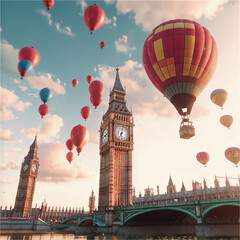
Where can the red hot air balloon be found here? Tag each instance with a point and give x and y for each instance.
(70, 144)
(180, 57)
(30, 54)
(96, 99)
(102, 44)
(74, 82)
(203, 158)
(226, 120)
(79, 135)
(96, 87)
(89, 78)
(233, 155)
(79, 149)
(86, 112)
(70, 156)
(94, 17)
(43, 109)
(49, 4)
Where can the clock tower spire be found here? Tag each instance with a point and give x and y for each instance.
(116, 146)
(27, 182)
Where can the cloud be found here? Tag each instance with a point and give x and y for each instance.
(3, 166)
(94, 137)
(23, 88)
(47, 15)
(9, 57)
(83, 5)
(109, 1)
(18, 150)
(55, 167)
(13, 165)
(122, 45)
(42, 81)
(6, 135)
(64, 30)
(6, 180)
(50, 127)
(9, 99)
(149, 14)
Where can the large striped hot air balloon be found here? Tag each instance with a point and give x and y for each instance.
(180, 57)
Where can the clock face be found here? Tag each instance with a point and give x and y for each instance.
(105, 135)
(121, 133)
(25, 167)
(34, 167)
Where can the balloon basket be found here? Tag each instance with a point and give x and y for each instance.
(186, 130)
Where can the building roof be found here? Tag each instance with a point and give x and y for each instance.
(118, 85)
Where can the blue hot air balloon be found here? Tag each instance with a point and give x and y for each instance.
(45, 94)
(24, 67)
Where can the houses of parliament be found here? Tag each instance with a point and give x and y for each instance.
(115, 183)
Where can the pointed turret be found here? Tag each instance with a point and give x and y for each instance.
(183, 189)
(216, 183)
(118, 85)
(228, 185)
(33, 148)
(204, 184)
(171, 188)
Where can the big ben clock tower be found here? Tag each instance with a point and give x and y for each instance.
(116, 146)
(27, 182)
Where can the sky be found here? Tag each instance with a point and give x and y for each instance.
(69, 51)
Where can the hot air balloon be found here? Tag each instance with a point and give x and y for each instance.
(30, 54)
(96, 99)
(79, 135)
(94, 17)
(102, 44)
(70, 156)
(70, 144)
(89, 78)
(233, 155)
(219, 97)
(24, 67)
(96, 86)
(180, 57)
(86, 112)
(74, 82)
(203, 158)
(49, 4)
(45, 94)
(43, 109)
(226, 120)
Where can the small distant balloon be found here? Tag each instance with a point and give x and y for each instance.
(45, 94)
(70, 156)
(203, 158)
(89, 78)
(94, 17)
(74, 82)
(102, 44)
(43, 109)
(226, 121)
(70, 144)
(49, 4)
(233, 155)
(86, 112)
(79, 149)
(219, 97)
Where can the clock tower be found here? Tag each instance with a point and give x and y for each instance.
(27, 182)
(116, 146)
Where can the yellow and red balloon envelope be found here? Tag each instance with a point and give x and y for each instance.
(226, 120)
(219, 97)
(203, 158)
(233, 155)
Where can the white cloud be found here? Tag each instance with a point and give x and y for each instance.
(33, 95)
(6, 180)
(17, 150)
(13, 165)
(23, 88)
(107, 20)
(6, 134)
(3, 166)
(9, 99)
(56, 168)
(50, 127)
(47, 15)
(149, 14)
(83, 5)
(42, 81)
(94, 137)
(109, 1)
(9, 56)
(122, 45)
(64, 30)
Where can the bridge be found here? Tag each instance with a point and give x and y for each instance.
(204, 218)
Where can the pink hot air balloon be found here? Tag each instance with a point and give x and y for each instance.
(96, 99)
(30, 54)
(203, 158)
(70, 156)
(102, 44)
(89, 78)
(79, 149)
(79, 135)
(86, 112)
(96, 86)
(43, 109)
(70, 144)
(74, 82)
